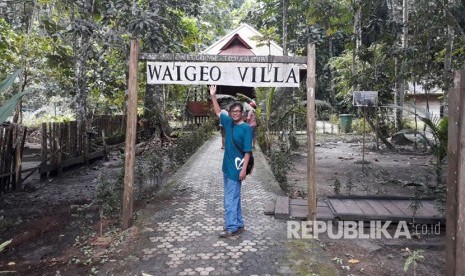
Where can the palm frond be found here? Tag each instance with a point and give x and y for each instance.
(7, 108)
(9, 81)
(224, 96)
(4, 245)
(243, 97)
(413, 109)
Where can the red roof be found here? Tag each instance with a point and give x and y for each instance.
(199, 109)
(236, 46)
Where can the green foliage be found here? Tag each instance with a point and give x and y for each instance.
(109, 193)
(441, 197)
(337, 186)
(6, 83)
(410, 124)
(6, 110)
(442, 131)
(281, 112)
(435, 126)
(334, 119)
(359, 125)
(349, 184)
(280, 165)
(79, 49)
(374, 74)
(262, 139)
(188, 143)
(8, 51)
(416, 203)
(155, 164)
(268, 35)
(414, 257)
(149, 171)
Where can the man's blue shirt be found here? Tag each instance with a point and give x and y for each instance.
(233, 158)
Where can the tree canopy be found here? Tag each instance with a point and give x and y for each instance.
(77, 50)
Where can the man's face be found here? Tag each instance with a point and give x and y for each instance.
(236, 113)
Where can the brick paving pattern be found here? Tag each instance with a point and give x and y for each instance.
(182, 238)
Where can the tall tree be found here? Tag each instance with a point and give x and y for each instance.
(285, 15)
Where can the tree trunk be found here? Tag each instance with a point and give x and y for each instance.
(448, 58)
(18, 117)
(156, 122)
(331, 80)
(400, 92)
(80, 48)
(395, 16)
(285, 16)
(357, 35)
(358, 27)
(378, 132)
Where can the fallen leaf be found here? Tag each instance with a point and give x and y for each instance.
(353, 261)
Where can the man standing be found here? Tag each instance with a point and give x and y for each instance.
(238, 146)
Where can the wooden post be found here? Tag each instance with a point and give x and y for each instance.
(9, 162)
(74, 138)
(311, 84)
(60, 151)
(51, 143)
(67, 140)
(455, 206)
(85, 142)
(19, 158)
(129, 151)
(43, 176)
(2, 143)
(104, 143)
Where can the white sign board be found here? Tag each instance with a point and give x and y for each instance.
(222, 73)
(365, 98)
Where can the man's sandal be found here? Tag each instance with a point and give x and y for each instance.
(228, 234)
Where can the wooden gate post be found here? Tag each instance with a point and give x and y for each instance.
(129, 150)
(455, 206)
(311, 83)
(43, 176)
(19, 157)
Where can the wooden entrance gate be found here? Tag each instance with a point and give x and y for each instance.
(176, 67)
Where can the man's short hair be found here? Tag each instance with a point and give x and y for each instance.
(236, 104)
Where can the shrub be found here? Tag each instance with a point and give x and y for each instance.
(262, 140)
(189, 142)
(280, 164)
(442, 137)
(334, 119)
(357, 126)
(110, 193)
(337, 186)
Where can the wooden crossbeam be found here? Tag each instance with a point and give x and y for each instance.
(217, 58)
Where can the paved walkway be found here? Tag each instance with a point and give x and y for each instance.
(181, 238)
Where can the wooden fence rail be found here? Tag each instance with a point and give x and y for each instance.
(110, 125)
(70, 143)
(62, 145)
(12, 138)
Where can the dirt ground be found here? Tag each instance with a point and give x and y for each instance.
(48, 222)
(51, 231)
(382, 173)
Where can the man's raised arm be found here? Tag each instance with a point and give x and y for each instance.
(216, 105)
